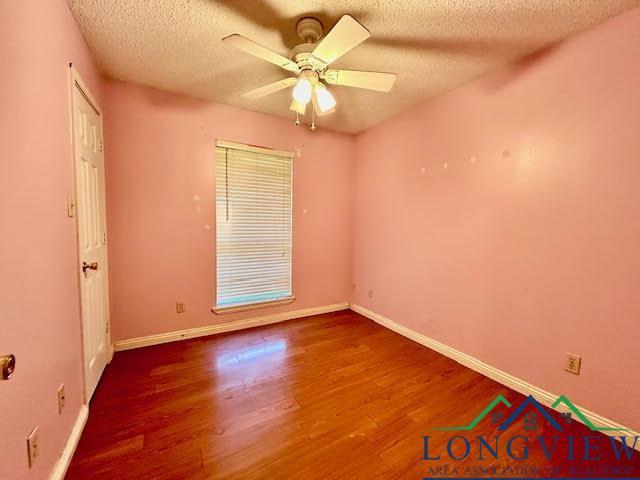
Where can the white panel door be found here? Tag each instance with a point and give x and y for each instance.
(92, 237)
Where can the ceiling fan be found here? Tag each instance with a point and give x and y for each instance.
(310, 62)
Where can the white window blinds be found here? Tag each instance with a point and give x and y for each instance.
(253, 226)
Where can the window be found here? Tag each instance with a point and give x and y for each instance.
(253, 226)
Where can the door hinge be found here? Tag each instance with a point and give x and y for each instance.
(107, 329)
(71, 207)
(100, 145)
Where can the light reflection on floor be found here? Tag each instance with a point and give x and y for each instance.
(273, 350)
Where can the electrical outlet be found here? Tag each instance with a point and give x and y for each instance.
(572, 364)
(61, 399)
(33, 446)
(180, 308)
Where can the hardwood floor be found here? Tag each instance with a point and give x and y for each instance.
(331, 396)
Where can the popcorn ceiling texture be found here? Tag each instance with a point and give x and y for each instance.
(433, 46)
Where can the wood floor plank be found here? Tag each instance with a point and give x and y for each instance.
(333, 396)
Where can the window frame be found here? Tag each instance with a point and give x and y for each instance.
(219, 310)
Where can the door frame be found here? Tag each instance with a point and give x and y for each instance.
(76, 83)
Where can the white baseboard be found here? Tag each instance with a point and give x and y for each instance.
(225, 327)
(61, 466)
(517, 384)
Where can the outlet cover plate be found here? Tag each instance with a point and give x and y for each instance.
(33, 446)
(61, 399)
(572, 364)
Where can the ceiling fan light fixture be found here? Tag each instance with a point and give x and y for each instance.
(298, 107)
(326, 101)
(302, 91)
(304, 87)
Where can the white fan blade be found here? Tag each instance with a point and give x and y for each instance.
(253, 48)
(346, 34)
(270, 88)
(381, 82)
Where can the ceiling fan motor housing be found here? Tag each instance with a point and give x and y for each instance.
(309, 29)
(301, 52)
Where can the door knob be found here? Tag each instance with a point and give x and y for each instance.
(89, 266)
(7, 365)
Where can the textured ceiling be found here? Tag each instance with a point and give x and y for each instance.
(432, 45)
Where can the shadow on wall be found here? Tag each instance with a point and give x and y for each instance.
(514, 72)
(166, 99)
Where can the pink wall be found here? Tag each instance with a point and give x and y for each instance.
(160, 156)
(39, 309)
(520, 241)
(523, 248)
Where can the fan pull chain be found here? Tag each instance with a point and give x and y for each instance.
(297, 119)
(313, 119)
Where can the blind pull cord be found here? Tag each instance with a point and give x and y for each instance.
(226, 182)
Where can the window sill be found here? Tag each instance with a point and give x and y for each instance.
(252, 306)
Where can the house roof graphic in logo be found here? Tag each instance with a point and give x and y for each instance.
(532, 402)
